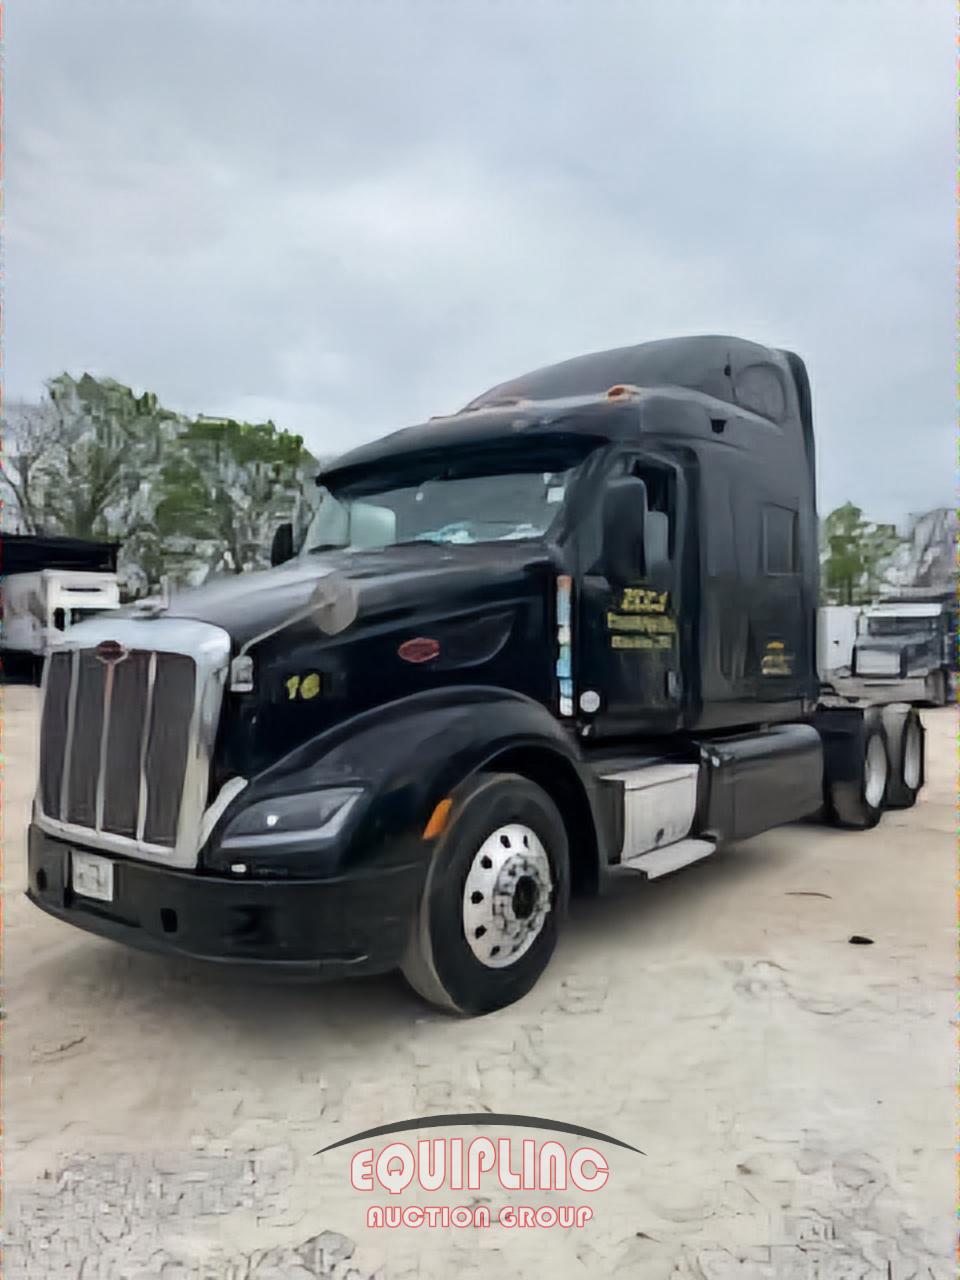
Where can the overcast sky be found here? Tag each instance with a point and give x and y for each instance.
(349, 216)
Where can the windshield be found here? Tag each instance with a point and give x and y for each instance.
(440, 506)
(894, 626)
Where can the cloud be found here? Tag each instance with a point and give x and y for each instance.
(348, 217)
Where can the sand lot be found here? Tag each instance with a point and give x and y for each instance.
(792, 1093)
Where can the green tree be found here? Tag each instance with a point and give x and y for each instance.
(95, 460)
(32, 436)
(224, 491)
(110, 447)
(855, 555)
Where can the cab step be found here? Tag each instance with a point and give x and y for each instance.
(660, 862)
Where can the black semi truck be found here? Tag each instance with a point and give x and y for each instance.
(564, 634)
(906, 647)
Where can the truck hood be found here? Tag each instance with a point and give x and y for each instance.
(371, 585)
(479, 604)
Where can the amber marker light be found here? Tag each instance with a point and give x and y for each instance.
(438, 820)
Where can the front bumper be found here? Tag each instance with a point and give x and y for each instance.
(349, 924)
(881, 688)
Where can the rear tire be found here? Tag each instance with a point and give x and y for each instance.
(496, 889)
(906, 746)
(858, 802)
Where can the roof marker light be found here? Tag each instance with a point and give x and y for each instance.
(622, 391)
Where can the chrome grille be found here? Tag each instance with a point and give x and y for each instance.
(877, 662)
(126, 736)
(122, 769)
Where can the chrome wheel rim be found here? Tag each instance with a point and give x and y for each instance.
(506, 896)
(911, 756)
(875, 772)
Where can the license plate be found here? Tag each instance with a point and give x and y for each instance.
(91, 876)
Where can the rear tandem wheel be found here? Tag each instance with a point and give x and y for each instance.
(857, 802)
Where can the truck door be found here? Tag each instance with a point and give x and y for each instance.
(627, 665)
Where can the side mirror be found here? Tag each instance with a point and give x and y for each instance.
(334, 603)
(624, 526)
(372, 525)
(281, 549)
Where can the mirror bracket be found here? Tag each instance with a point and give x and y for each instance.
(624, 526)
(281, 548)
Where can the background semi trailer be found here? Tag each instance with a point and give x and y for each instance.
(566, 634)
(837, 626)
(48, 584)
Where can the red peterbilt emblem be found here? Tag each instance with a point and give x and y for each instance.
(421, 649)
(110, 651)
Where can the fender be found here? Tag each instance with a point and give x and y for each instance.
(410, 754)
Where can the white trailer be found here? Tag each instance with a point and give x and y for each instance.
(39, 607)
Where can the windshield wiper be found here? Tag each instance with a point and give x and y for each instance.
(417, 542)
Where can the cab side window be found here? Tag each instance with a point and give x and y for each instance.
(660, 501)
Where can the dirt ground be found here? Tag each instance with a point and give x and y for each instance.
(792, 1093)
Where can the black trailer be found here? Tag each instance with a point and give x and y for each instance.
(32, 553)
(566, 634)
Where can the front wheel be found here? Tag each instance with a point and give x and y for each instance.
(496, 889)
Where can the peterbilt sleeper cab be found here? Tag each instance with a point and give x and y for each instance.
(563, 635)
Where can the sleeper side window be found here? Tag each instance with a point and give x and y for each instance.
(779, 540)
(760, 390)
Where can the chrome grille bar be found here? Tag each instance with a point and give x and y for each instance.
(144, 742)
(104, 736)
(68, 744)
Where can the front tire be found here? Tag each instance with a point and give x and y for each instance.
(496, 889)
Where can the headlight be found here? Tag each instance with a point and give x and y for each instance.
(296, 819)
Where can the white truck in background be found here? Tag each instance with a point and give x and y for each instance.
(837, 626)
(902, 647)
(48, 584)
(39, 607)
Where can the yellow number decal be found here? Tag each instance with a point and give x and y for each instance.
(305, 687)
